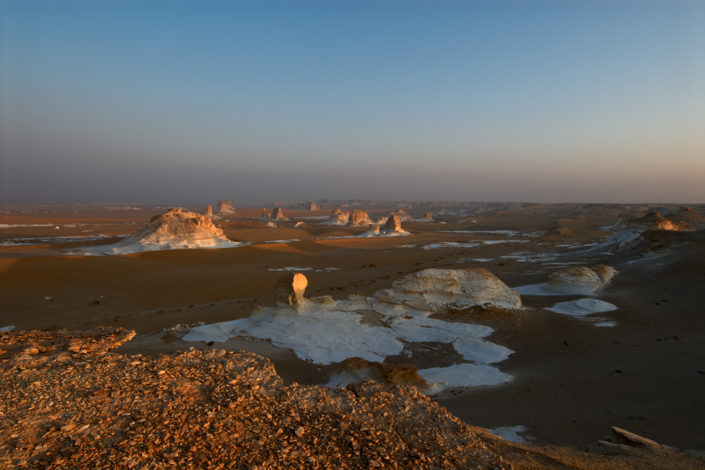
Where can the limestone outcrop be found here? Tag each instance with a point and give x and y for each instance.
(225, 207)
(175, 229)
(580, 279)
(290, 289)
(359, 218)
(440, 289)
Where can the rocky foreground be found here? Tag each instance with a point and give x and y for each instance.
(68, 401)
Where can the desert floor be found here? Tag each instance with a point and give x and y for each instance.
(572, 379)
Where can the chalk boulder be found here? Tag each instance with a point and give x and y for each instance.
(440, 289)
(580, 279)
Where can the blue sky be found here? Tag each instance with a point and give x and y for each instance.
(595, 101)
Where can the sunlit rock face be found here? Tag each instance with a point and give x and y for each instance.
(174, 229)
(606, 273)
(653, 220)
(312, 206)
(290, 289)
(393, 223)
(359, 218)
(438, 289)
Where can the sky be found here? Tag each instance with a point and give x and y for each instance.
(254, 101)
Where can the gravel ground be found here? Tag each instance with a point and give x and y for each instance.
(66, 401)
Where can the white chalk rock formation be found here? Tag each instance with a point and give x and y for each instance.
(605, 272)
(437, 289)
(359, 218)
(580, 279)
(339, 217)
(290, 289)
(402, 214)
(278, 214)
(393, 223)
(175, 229)
(225, 207)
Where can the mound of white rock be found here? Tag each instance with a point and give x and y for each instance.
(574, 280)
(175, 229)
(437, 289)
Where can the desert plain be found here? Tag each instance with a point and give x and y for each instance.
(562, 377)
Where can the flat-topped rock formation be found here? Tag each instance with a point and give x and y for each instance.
(175, 229)
(225, 207)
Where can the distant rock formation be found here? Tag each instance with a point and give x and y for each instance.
(339, 217)
(209, 211)
(278, 214)
(175, 229)
(393, 223)
(359, 218)
(225, 207)
(428, 216)
(653, 220)
(290, 289)
(439, 289)
(580, 279)
(688, 218)
(266, 213)
(402, 214)
(312, 206)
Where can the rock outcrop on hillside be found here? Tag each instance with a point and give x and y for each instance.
(175, 229)
(688, 218)
(439, 289)
(653, 220)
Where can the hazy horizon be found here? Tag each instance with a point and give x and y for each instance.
(547, 101)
